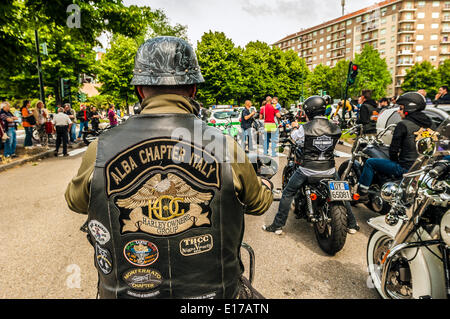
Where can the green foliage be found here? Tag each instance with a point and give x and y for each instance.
(422, 76)
(373, 73)
(319, 80)
(444, 73)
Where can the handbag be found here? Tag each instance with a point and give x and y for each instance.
(30, 120)
(3, 134)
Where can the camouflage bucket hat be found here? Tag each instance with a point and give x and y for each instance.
(166, 61)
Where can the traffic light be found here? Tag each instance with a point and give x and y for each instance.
(352, 73)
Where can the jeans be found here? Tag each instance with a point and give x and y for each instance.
(28, 134)
(289, 193)
(374, 165)
(247, 133)
(73, 132)
(11, 142)
(82, 126)
(270, 136)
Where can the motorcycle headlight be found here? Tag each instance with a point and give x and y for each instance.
(388, 191)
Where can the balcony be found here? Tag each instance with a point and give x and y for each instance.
(445, 30)
(368, 40)
(408, 9)
(405, 63)
(338, 48)
(338, 39)
(407, 21)
(406, 30)
(338, 57)
(405, 52)
(446, 7)
(338, 30)
(408, 41)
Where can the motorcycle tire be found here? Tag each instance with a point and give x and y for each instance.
(332, 236)
(352, 178)
(88, 138)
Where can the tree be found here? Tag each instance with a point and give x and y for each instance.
(337, 79)
(422, 76)
(319, 80)
(444, 73)
(373, 73)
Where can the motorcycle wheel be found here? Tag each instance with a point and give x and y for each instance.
(379, 243)
(331, 235)
(89, 137)
(376, 203)
(352, 178)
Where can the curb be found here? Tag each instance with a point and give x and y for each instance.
(33, 158)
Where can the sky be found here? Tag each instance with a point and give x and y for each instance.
(250, 20)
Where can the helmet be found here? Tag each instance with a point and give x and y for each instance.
(314, 106)
(327, 99)
(412, 101)
(166, 61)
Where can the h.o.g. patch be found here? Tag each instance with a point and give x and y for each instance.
(141, 253)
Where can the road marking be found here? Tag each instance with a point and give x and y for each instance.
(341, 154)
(77, 151)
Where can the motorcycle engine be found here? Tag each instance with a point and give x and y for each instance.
(445, 228)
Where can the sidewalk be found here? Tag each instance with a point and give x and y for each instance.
(31, 154)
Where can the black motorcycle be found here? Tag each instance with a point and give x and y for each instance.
(364, 148)
(321, 202)
(90, 135)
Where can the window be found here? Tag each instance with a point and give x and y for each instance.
(420, 37)
(421, 3)
(433, 48)
(322, 31)
(435, 26)
(383, 21)
(321, 48)
(436, 3)
(421, 15)
(328, 46)
(329, 38)
(321, 40)
(420, 26)
(419, 58)
(358, 19)
(419, 48)
(433, 58)
(349, 22)
(321, 56)
(434, 37)
(435, 15)
(383, 31)
(382, 41)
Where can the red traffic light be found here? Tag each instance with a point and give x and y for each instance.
(355, 67)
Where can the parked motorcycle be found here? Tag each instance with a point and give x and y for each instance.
(90, 135)
(321, 202)
(229, 129)
(364, 148)
(408, 252)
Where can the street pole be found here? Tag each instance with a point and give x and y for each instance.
(39, 67)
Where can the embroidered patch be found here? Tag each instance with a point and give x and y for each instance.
(164, 206)
(143, 278)
(142, 294)
(100, 233)
(103, 259)
(323, 143)
(141, 253)
(196, 245)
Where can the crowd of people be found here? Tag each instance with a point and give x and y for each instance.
(38, 118)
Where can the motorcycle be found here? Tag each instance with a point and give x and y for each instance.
(229, 129)
(408, 251)
(364, 148)
(90, 135)
(321, 202)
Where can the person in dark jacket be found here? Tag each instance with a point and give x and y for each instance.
(402, 151)
(84, 116)
(368, 113)
(443, 97)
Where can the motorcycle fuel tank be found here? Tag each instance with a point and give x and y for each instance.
(377, 152)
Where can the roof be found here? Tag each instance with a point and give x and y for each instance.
(343, 18)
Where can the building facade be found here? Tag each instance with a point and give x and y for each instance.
(403, 31)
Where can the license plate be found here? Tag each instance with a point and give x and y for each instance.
(339, 191)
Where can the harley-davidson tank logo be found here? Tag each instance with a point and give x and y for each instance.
(323, 143)
(165, 206)
(196, 245)
(143, 278)
(163, 154)
(141, 253)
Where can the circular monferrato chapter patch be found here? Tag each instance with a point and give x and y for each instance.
(141, 253)
(143, 279)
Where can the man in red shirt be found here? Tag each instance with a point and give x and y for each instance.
(268, 114)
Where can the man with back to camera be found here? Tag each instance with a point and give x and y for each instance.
(166, 213)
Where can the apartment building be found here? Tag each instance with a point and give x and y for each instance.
(403, 31)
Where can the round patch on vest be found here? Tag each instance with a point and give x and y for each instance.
(141, 253)
(99, 232)
(143, 279)
(103, 259)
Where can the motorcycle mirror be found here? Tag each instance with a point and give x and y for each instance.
(264, 166)
(426, 147)
(137, 108)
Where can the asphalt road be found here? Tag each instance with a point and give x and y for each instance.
(44, 255)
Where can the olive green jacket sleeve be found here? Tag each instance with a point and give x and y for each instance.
(248, 186)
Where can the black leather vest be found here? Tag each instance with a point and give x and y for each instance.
(371, 127)
(163, 214)
(321, 137)
(408, 153)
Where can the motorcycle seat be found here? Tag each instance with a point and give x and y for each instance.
(317, 178)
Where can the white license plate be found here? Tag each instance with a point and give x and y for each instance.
(339, 191)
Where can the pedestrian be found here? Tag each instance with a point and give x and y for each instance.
(9, 126)
(443, 97)
(40, 113)
(268, 113)
(275, 102)
(73, 126)
(95, 118)
(383, 104)
(112, 116)
(246, 126)
(28, 123)
(394, 100)
(368, 113)
(423, 92)
(171, 224)
(62, 123)
(84, 117)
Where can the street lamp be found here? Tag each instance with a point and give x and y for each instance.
(343, 6)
